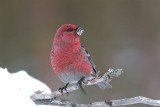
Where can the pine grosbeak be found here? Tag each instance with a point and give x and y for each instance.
(69, 59)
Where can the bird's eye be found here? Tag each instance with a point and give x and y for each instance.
(70, 30)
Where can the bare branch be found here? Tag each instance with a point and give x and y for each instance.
(113, 103)
(136, 100)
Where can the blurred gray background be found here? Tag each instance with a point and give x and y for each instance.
(118, 34)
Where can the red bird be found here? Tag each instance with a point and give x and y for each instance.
(69, 59)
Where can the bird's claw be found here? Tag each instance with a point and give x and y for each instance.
(80, 82)
(64, 88)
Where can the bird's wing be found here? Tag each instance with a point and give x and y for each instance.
(89, 59)
(103, 84)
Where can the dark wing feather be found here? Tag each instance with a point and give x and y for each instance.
(103, 84)
(89, 59)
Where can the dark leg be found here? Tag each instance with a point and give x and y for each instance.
(94, 76)
(79, 83)
(64, 88)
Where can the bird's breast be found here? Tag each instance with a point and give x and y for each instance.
(70, 60)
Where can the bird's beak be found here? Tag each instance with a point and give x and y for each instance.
(79, 31)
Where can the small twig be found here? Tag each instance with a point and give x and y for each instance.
(106, 77)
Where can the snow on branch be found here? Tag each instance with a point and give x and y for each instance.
(106, 77)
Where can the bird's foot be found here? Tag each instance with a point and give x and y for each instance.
(95, 76)
(64, 88)
(79, 83)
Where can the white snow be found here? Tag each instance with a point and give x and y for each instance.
(16, 89)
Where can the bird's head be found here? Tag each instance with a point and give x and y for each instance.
(69, 33)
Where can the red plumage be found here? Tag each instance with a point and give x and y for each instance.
(70, 61)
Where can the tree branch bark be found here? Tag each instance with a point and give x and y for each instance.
(111, 103)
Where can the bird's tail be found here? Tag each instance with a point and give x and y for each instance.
(103, 85)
